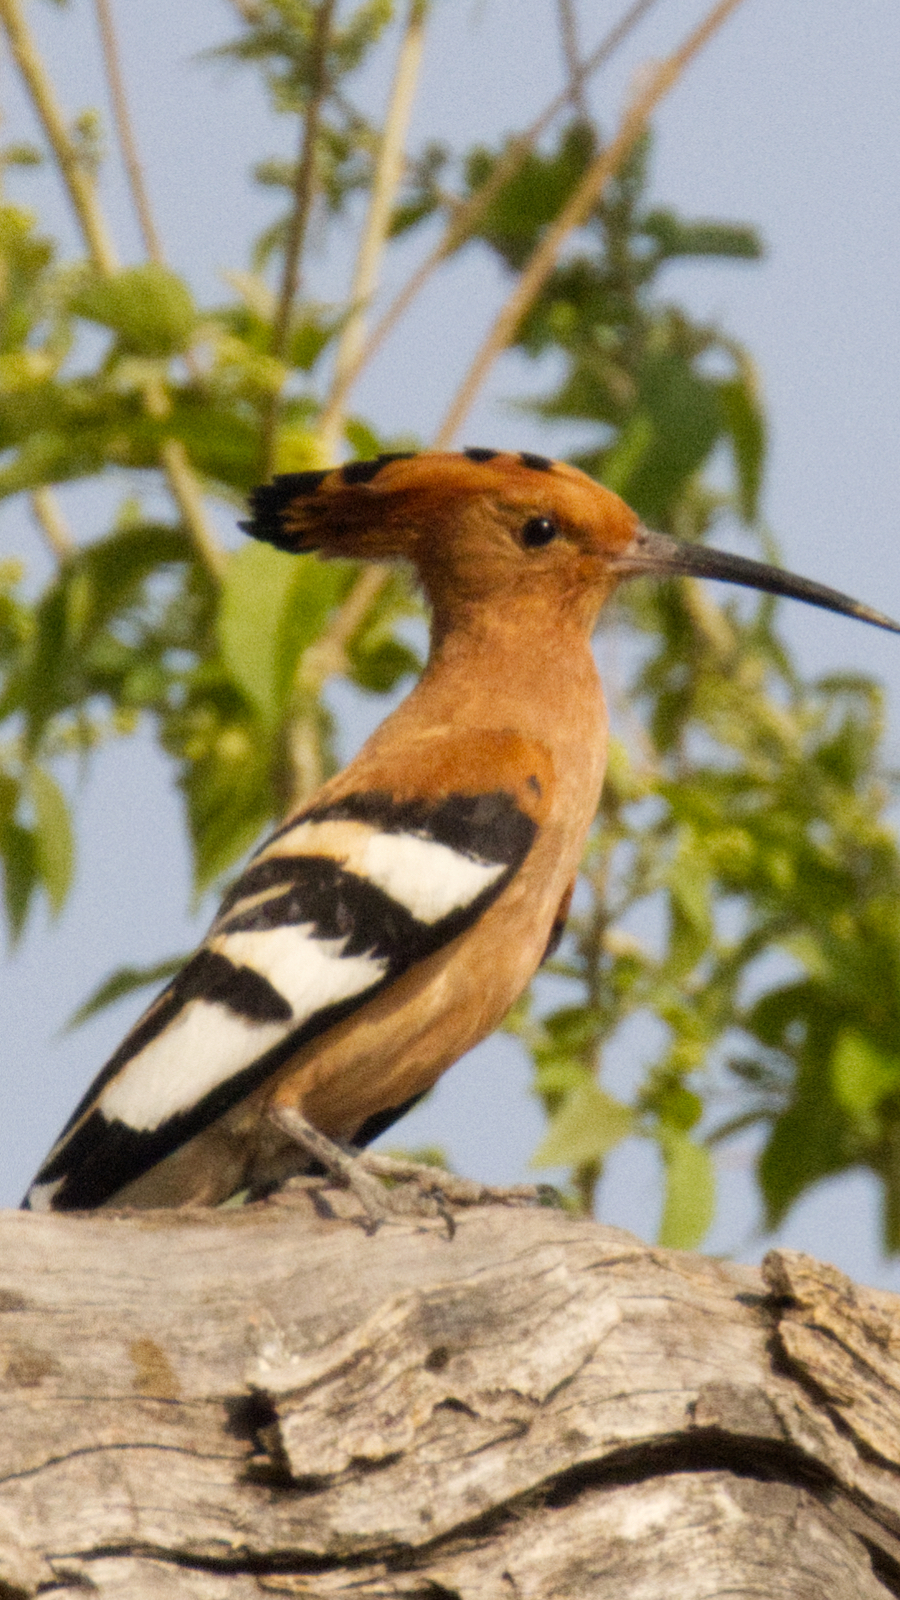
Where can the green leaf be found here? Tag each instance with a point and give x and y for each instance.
(690, 1190)
(622, 461)
(746, 424)
(256, 592)
(809, 1140)
(862, 1075)
(9, 799)
(588, 1126)
(689, 885)
(149, 307)
(20, 875)
(53, 841)
(227, 777)
(123, 982)
(273, 606)
(675, 237)
(686, 412)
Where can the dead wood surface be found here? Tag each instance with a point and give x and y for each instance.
(232, 1404)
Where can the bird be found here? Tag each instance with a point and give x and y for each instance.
(390, 922)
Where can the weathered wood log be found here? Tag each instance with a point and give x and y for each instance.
(272, 1401)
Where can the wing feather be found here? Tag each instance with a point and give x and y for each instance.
(340, 903)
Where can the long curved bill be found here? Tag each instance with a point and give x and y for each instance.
(656, 553)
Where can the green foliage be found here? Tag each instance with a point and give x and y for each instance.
(743, 831)
(148, 308)
(123, 983)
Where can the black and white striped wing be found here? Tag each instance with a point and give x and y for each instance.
(335, 907)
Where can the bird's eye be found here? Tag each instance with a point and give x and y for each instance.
(538, 531)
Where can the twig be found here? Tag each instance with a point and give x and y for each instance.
(189, 498)
(119, 102)
(469, 213)
(78, 181)
(303, 192)
(249, 11)
(385, 183)
(83, 194)
(323, 660)
(49, 517)
(568, 29)
(328, 655)
(543, 260)
(329, 651)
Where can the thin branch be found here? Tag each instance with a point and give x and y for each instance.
(328, 656)
(543, 260)
(386, 181)
(189, 498)
(304, 191)
(48, 515)
(249, 11)
(304, 180)
(78, 181)
(83, 194)
(324, 659)
(119, 102)
(569, 31)
(469, 213)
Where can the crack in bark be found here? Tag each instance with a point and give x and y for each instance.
(705, 1450)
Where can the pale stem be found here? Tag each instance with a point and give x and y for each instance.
(303, 191)
(83, 194)
(568, 29)
(386, 181)
(78, 181)
(576, 211)
(328, 655)
(323, 660)
(49, 517)
(470, 212)
(130, 157)
(188, 496)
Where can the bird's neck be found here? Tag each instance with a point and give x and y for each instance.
(530, 671)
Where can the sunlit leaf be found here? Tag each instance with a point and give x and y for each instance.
(746, 425)
(862, 1074)
(149, 307)
(690, 1191)
(589, 1125)
(256, 592)
(123, 982)
(54, 843)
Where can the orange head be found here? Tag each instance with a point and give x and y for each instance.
(487, 526)
(480, 527)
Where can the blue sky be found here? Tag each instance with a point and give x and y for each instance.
(791, 121)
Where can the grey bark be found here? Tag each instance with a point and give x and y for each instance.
(226, 1405)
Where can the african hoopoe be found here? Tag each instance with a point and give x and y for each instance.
(389, 925)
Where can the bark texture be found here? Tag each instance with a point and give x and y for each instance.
(227, 1405)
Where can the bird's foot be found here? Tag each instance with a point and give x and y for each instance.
(419, 1190)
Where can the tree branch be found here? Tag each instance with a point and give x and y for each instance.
(469, 213)
(48, 515)
(569, 32)
(325, 659)
(83, 194)
(79, 183)
(386, 181)
(304, 191)
(189, 499)
(227, 1404)
(130, 157)
(544, 258)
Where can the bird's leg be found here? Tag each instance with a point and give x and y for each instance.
(425, 1191)
(348, 1166)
